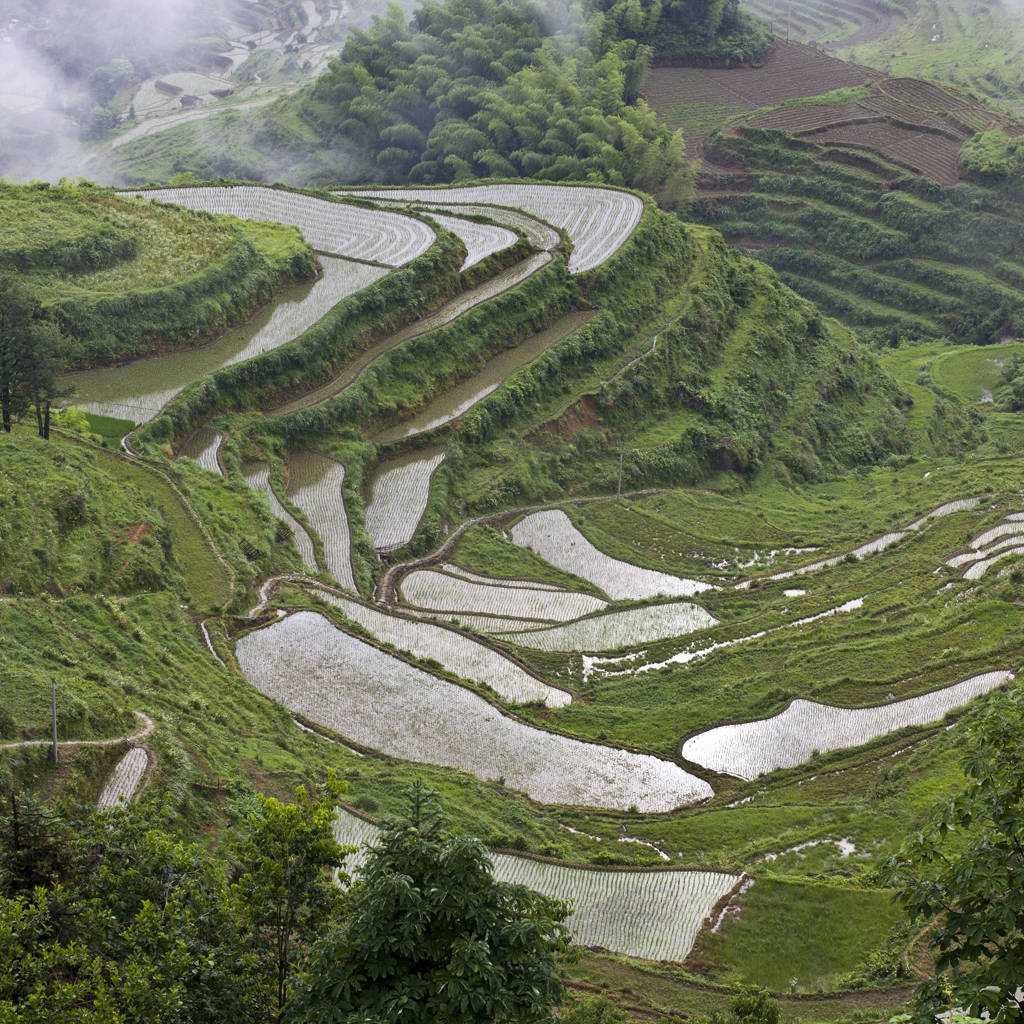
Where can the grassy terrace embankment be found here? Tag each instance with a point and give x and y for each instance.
(125, 278)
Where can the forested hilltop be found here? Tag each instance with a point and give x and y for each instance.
(474, 88)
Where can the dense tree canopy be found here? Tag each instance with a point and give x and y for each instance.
(430, 936)
(501, 88)
(966, 871)
(31, 356)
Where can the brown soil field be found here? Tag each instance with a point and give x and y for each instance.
(701, 100)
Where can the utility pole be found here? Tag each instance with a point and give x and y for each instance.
(53, 700)
(618, 495)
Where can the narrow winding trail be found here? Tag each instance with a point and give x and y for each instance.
(148, 726)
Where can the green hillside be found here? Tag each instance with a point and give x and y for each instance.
(123, 278)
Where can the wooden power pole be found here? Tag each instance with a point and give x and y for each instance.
(53, 701)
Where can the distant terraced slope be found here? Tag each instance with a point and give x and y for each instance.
(854, 196)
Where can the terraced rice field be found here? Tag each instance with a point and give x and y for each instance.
(463, 396)
(315, 485)
(552, 535)
(379, 236)
(979, 569)
(598, 221)
(380, 702)
(257, 476)
(456, 653)
(462, 303)
(481, 240)
(830, 25)
(437, 591)
(630, 664)
(651, 914)
(618, 629)
(398, 498)
(124, 779)
(139, 390)
(790, 738)
(203, 447)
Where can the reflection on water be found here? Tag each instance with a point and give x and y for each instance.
(139, 390)
(454, 402)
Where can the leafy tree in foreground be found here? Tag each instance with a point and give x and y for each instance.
(287, 895)
(430, 936)
(966, 870)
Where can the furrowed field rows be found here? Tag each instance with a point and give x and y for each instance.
(379, 236)
(257, 476)
(139, 390)
(382, 703)
(457, 654)
(315, 485)
(879, 543)
(618, 629)
(655, 915)
(1010, 541)
(490, 625)
(539, 234)
(462, 303)
(124, 779)
(631, 664)
(979, 569)
(598, 221)
(481, 240)
(399, 497)
(436, 591)
(474, 577)
(552, 535)
(203, 447)
(790, 738)
(452, 403)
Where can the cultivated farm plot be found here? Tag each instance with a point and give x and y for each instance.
(629, 664)
(382, 703)
(598, 221)
(124, 779)
(380, 236)
(437, 591)
(462, 303)
(655, 915)
(456, 653)
(257, 476)
(315, 485)
(202, 447)
(552, 535)
(451, 403)
(399, 498)
(979, 569)
(139, 390)
(789, 738)
(481, 240)
(618, 629)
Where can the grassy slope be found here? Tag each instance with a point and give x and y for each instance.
(216, 739)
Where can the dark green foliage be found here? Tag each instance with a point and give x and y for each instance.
(993, 158)
(967, 869)
(894, 255)
(474, 88)
(32, 353)
(39, 230)
(430, 936)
